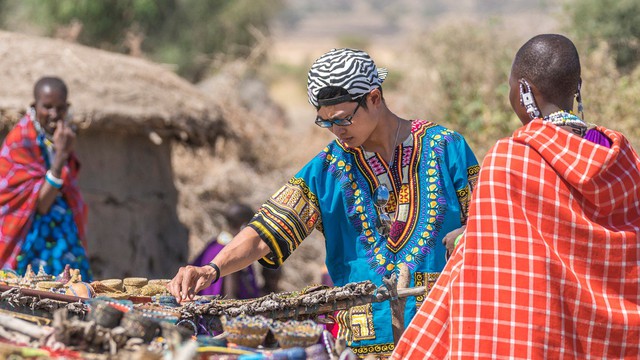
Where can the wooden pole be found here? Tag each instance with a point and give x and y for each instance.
(330, 307)
(414, 291)
(43, 294)
(23, 327)
(326, 308)
(396, 302)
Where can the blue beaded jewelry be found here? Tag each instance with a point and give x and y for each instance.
(53, 181)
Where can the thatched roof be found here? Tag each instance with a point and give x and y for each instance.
(109, 92)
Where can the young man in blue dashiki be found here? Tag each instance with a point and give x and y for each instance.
(429, 177)
(384, 193)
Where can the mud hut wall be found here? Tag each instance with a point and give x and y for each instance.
(133, 227)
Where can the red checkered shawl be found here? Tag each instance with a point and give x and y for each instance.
(22, 171)
(549, 267)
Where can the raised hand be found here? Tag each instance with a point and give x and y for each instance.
(64, 140)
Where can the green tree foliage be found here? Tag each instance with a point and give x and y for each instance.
(187, 33)
(616, 22)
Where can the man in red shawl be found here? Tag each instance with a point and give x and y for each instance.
(549, 265)
(42, 214)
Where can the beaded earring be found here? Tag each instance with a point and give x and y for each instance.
(527, 100)
(579, 100)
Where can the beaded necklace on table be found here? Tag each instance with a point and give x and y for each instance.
(570, 120)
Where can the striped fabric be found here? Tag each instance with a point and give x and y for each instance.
(352, 70)
(549, 267)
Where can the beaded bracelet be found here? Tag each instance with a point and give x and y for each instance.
(457, 241)
(329, 342)
(217, 269)
(53, 181)
(189, 324)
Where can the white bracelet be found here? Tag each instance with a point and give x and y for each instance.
(54, 181)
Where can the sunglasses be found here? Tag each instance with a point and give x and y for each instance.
(380, 200)
(324, 123)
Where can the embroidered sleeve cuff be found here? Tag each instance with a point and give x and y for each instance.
(275, 258)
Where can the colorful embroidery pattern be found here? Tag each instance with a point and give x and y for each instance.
(293, 212)
(472, 175)
(356, 324)
(361, 318)
(383, 350)
(344, 325)
(402, 245)
(464, 194)
(421, 279)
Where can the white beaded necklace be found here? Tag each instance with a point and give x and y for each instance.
(568, 119)
(48, 143)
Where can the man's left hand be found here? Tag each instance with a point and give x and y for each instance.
(449, 240)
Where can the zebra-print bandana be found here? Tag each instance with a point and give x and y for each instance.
(352, 70)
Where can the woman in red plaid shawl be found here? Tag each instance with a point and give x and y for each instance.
(549, 265)
(42, 215)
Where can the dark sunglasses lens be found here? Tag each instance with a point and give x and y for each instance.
(323, 123)
(342, 122)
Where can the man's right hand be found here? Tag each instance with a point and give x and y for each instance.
(242, 251)
(190, 280)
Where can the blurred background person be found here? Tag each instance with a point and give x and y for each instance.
(42, 213)
(243, 284)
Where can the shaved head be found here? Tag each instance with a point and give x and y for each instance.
(55, 83)
(551, 63)
(238, 214)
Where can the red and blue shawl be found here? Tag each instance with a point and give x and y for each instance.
(22, 174)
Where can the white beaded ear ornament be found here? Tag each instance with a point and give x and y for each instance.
(526, 99)
(579, 100)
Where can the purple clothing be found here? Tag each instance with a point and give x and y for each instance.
(247, 288)
(598, 137)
